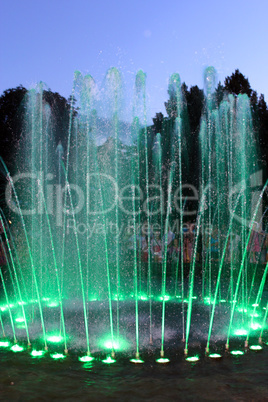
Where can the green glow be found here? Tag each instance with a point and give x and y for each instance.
(58, 356)
(22, 303)
(223, 301)
(241, 332)
(16, 348)
(214, 356)
(37, 353)
(143, 298)
(53, 304)
(255, 347)
(111, 345)
(138, 361)
(21, 326)
(109, 360)
(241, 310)
(255, 305)
(86, 359)
(237, 352)
(255, 326)
(116, 344)
(254, 315)
(166, 297)
(4, 344)
(192, 359)
(55, 338)
(162, 360)
(19, 319)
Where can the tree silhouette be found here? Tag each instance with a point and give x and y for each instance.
(237, 84)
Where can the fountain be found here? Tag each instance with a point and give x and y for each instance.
(99, 221)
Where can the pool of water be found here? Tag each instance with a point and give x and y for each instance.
(231, 378)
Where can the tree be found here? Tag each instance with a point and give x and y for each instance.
(237, 84)
(12, 109)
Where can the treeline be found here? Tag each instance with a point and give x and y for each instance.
(13, 107)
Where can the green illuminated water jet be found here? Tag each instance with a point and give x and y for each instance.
(103, 241)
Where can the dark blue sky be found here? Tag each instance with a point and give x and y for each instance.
(48, 40)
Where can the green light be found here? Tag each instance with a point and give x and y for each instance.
(37, 353)
(115, 344)
(255, 347)
(237, 353)
(255, 326)
(16, 348)
(214, 356)
(109, 360)
(19, 319)
(4, 344)
(143, 297)
(241, 332)
(166, 298)
(137, 361)
(222, 301)
(53, 304)
(192, 359)
(255, 305)
(55, 338)
(194, 297)
(86, 359)
(58, 356)
(162, 360)
(111, 345)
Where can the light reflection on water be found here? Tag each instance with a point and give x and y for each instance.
(23, 377)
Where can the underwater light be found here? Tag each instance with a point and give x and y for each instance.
(53, 304)
(4, 344)
(109, 360)
(137, 361)
(166, 298)
(162, 360)
(192, 359)
(143, 298)
(237, 352)
(255, 326)
(55, 338)
(37, 353)
(255, 347)
(214, 355)
(86, 359)
(16, 348)
(113, 344)
(19, 319)
(241, 332)
(58, 356)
